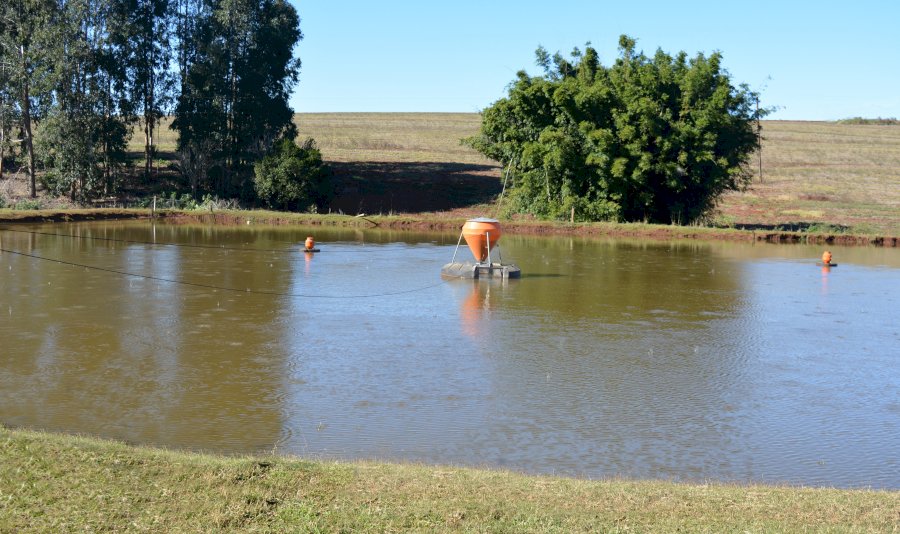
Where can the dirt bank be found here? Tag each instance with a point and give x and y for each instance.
(45, 216)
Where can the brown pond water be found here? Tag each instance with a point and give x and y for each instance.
(681, 360)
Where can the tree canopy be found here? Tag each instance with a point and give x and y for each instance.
(87, 71)
(237, 75)
(654, 139)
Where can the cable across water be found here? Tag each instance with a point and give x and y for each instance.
(221, 288)
(135, 242)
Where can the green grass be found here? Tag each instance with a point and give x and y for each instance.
(52, 483)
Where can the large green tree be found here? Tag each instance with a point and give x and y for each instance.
(88, 70)
(83, 141)
(237, 70)
(26, 36)
(142, 40)
(9, 114)
(654, 139)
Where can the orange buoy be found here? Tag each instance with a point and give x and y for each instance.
(481, 235)
(310, 243)
(826, 258)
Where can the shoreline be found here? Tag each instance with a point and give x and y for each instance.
(450, 221)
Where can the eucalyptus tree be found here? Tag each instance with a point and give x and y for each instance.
(657, 139)
(83, 140)
(142, 38)
(26, 36)
(237, 69)
(8, 114)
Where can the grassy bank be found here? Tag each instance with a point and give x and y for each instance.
(52, 483)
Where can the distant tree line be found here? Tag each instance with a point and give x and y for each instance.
(78, 76)
(877, 121)
(654, 139)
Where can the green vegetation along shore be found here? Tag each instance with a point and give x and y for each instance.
(54, 483)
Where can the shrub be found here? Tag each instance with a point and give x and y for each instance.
(30, 204)
(654, 139)
(293, 177)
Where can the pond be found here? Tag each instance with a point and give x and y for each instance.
(689, 361)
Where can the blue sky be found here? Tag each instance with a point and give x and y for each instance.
(812, 60)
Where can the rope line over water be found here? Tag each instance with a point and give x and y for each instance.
(299, 244)
(222, 288)
(162, 244)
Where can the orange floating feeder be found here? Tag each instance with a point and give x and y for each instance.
(826, 260)
(481, 236)
(310, 245)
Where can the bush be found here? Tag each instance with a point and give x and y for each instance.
(654, 139)
(293, 177)
(30, 204)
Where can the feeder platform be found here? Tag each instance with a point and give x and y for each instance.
(480, 270)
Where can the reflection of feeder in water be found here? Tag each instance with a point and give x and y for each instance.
(481, 235)
(473, 309)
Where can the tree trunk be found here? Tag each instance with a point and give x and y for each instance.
(26, 120)
(149, 120)
(2, 142)
(149, 111)
(146, 146)
(107, 178)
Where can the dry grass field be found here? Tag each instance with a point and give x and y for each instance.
(165, 138)
(393, 137)
(402, 162)
(821, 173)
